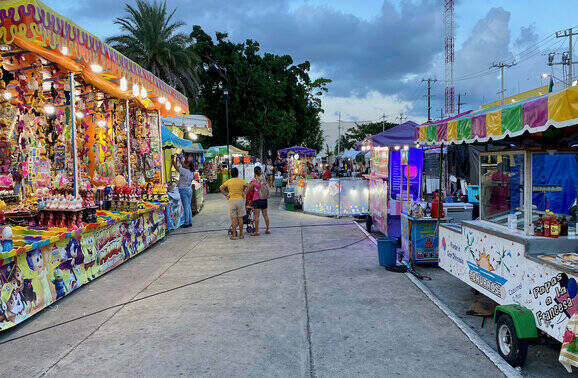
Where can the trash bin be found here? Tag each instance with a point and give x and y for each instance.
(289, 199)
(387, 251)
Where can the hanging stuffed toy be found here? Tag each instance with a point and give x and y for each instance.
(7, 76)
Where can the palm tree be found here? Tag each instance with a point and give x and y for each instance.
(151, 39)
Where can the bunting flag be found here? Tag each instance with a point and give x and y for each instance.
(533, 115)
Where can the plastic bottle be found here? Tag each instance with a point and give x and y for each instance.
(547, 224)
(512, 220)
(436, 206)
(554, 226)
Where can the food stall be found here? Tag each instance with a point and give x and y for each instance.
(297, 159)
(386, 184)
(523, 252)
(81, 174)
(340, 197)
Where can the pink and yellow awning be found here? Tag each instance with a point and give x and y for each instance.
(32, 25)
(557, 109)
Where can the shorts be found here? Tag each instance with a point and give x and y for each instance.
(236, 209)
(260, 204)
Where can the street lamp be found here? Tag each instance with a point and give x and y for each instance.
(226, 95)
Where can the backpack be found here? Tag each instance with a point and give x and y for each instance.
(264, 190)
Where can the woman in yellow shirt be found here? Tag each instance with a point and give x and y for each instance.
(235, 190)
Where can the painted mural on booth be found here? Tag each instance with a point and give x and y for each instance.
(33, 280)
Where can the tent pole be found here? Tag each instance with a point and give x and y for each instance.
(128, 168)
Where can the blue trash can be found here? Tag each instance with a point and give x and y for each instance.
(387, 251)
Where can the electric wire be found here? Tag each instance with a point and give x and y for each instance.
(181, 287)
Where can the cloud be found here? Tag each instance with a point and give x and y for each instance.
(527, 36)
(365, 108)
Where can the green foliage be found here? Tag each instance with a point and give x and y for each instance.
(152, 39)
(361, 131)
(273, 103)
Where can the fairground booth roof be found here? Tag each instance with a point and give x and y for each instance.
(535, 115)
(31, 26)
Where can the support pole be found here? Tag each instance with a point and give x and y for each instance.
(161, 147)
(73, 134)
(528, 226)
(440, 187)
(127, 121)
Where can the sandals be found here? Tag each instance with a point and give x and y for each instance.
(267, 232)
(255, 234)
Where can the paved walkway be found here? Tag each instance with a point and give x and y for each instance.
(295, 303)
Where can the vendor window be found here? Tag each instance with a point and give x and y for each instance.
(502, 188)
(554, 193)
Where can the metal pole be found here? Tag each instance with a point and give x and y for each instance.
(161, 147)
(440, 187)
(528, 226)
(502, 89)
(127, 122)
(227, 123)
(339, 138)
(570, 57)
(73, 134)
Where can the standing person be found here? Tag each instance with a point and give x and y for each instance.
(260, 187)
(326, 173)
(270, 170)
(234, 189)
(186, 177)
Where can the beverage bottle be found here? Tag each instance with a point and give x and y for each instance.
(564, 226)
(539, 229)
(547, 224)
(554, 226)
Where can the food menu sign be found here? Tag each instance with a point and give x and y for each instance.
(414, 170)
(379, 161)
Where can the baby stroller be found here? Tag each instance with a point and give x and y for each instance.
(248, 218)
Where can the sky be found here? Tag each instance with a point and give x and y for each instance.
(376, 52)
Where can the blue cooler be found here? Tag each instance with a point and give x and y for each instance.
(387, 251)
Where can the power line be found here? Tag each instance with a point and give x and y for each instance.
(502, 65)
(429, 81)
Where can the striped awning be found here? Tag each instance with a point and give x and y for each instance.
(536, 114)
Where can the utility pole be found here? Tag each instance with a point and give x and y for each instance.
(501, 66)
(339, 138)
(441, 113)
(401, 117)
(569, 57)
(429, 81)
(383, 122)
(460, 103)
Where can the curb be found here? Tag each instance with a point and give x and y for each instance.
(487, 350)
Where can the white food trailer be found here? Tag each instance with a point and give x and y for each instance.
(532, 278)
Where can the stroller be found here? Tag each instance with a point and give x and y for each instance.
(248, 218)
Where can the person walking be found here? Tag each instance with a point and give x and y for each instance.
(186, 178)
(235, 189)
(260, 187)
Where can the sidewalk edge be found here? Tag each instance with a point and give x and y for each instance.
(487, 350)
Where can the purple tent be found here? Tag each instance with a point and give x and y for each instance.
(302, 151)
(399, 135)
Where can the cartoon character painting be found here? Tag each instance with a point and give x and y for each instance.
(72, 262)
(90, 252)
(38, 265)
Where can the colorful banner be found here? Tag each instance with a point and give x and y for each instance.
(31, 281)
(533, 115)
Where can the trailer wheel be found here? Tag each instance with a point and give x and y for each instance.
(510, 347)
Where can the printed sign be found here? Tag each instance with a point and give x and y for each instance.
(33, 280)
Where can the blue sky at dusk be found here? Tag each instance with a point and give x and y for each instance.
(375, 51)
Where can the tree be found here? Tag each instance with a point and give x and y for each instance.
(360, 131)
(151, 39)
(273, 102)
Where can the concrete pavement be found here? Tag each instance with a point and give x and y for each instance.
(291, 304)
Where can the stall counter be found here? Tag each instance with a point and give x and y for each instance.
(39, 274)
(509, 267)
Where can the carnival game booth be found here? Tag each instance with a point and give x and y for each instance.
(216, 161)
(388, 188)
(297, 159)
(523, 252)
(81, 175)
(339, 197)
